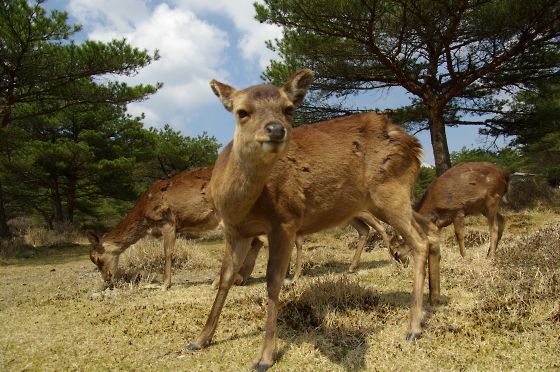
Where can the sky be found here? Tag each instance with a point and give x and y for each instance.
(201, 40)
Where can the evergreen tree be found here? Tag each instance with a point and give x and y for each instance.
(454, 57)
(42, 70)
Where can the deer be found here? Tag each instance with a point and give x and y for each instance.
(176, 205)
(469, 188)
(280, 181)
(361, 223)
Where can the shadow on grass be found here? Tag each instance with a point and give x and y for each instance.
(52, 255)
(337, 314)
(330, 267)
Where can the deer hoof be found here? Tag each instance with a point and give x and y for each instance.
(412, 336)
(352, 270)
(193, 347)
(261, 367)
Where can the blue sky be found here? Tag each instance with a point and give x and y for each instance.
(200, 40)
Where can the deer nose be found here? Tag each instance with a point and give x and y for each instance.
(276, 131)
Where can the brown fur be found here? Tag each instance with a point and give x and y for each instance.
(362, 224)
(469, 188)
(176, 205)
(316, 177)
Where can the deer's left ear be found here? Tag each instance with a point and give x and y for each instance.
(297, 85)
(224, 93)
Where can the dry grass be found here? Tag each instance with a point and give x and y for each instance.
(144, 261)
(503, 316)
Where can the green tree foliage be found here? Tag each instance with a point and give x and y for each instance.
(508, 158)
(42, 70)
(174, 152)
(454, 57)
(534, 123)
(425, 177)
(89, 160)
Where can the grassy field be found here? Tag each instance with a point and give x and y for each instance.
(55, 314)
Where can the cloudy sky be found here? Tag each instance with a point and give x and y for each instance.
(200, 40)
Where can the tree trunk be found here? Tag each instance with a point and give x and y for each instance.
(57, 203)
(4, 229)
(439, 141)
(71, 198)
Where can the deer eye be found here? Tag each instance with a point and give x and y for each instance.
(241, 114)
(289, 111)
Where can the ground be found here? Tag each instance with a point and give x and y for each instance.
(493, 316)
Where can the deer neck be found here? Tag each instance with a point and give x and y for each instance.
(131, 229)
(237, 186)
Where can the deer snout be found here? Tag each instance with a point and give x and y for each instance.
(275, 131)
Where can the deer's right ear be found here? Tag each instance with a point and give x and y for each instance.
(224, 93)
(93, 239)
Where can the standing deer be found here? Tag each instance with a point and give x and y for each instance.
(275, 180)
(178, 204)
(465, 189)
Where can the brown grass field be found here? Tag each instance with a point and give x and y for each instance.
(502, 316)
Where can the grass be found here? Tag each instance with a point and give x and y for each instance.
(55, 315)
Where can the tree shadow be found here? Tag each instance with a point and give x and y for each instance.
(52, 255)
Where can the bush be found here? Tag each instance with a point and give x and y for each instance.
(532, 193)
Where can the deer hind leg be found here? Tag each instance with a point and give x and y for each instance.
(459, 228)
(396, 209)
(363, 233)
(378, 226)
(249, 263)
(494, 219)
(234, 256)
(280, 247)
(297, 269)
(169, 238)
(501, 222)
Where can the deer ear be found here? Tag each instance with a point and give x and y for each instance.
(224, 93)
(297, 85)
(93, 256)
(93, 239)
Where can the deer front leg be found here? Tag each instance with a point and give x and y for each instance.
(280, 246)
(363, 232)
(169, 237)
(234, 255)
(459, 228)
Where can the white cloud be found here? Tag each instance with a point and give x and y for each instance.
(191, 51)
(242, 13)
(193, 46)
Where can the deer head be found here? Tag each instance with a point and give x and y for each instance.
(263, 114)
(399, 250)
(105, 260)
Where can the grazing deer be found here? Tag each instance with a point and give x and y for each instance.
(178, 204)
(465, 189)
(275, 180)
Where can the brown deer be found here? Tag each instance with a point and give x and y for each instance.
(275, 180)
(361, 223)
(178, 204)
(466, 189)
